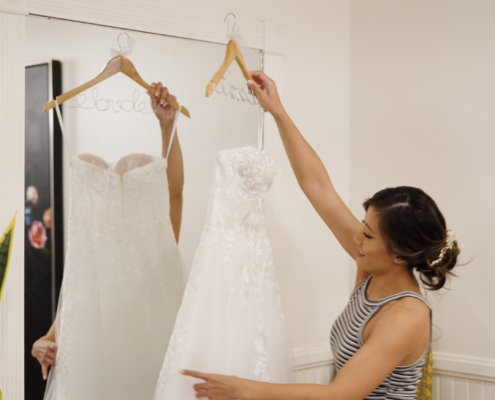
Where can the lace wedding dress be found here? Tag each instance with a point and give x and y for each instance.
(123, 281)
(231, 321)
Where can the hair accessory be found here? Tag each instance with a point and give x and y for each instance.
(449, 244)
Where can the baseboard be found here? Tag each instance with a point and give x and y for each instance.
(443, 363)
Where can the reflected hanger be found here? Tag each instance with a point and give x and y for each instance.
(233, 53)
(116, 64)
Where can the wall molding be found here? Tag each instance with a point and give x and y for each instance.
(275, 38)
(313, 357)
(12, 92)
(155, 17)
(19, 7)
(150, 16)
(465, 367)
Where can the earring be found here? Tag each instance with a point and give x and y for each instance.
(396, 260)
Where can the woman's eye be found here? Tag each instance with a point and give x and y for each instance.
(368, 236)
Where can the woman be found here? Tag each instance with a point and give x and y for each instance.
(381, 339)
(45, 348)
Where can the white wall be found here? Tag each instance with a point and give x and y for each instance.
(422, 114)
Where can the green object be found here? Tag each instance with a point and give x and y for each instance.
(5, 252)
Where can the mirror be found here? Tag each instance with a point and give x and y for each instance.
(110, 259)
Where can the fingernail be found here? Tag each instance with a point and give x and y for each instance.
(157, 92)
(250, 83)
(162, 102)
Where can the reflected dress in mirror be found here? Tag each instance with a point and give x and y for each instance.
(123, 281)
(231, 321)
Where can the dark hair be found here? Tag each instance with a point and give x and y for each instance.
(415, 229)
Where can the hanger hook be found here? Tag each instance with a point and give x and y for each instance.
(118, 40)
(235, 22)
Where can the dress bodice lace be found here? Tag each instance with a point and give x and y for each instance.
(135, 187)
(241, 182)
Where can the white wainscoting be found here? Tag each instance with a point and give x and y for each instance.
(455, 377)
(462, 377)
(447, 387)
(314, 365)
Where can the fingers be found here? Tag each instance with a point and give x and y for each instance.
(261, 78)
(163, 96)
(44, 371)
(48, 359)
(154, 99)
(158, 89)
(50, 354)
(195, 374)
(254, 87)
(168, 100)
(160, 97)
(200, 386)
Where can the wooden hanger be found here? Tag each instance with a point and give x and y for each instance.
(233, 53)
(116, 64)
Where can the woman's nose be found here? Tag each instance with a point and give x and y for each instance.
(357, 239)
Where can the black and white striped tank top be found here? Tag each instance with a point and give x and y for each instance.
(346, 338)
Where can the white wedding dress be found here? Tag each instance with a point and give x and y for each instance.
(123, 281)
(231, 320)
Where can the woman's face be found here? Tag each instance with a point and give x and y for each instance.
(373, 254)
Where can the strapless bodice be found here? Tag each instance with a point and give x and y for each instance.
(136, 186)
(241, 181)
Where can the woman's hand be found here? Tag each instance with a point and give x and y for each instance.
(45, 351)
(217, 387)
(266, 92)
(160, 100)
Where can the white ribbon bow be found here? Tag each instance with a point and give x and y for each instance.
(236, 34)
(125, 49)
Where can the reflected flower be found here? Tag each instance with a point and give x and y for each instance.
(47, 218)
(37, 235)
(32, 194)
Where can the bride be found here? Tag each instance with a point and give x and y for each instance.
(380, 342)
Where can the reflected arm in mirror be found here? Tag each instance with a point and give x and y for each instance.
(310, 171)
(165, 114)
(45, 350)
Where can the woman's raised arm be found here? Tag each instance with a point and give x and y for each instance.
(310, 172)
(175, 166)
